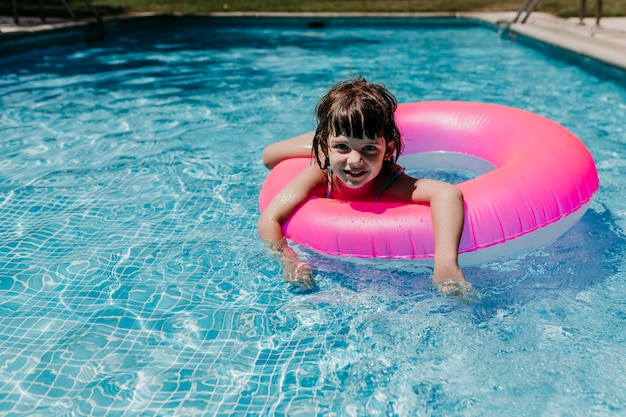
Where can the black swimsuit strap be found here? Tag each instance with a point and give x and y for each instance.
(388, 183)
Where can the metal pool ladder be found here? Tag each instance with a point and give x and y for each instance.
(529, 6)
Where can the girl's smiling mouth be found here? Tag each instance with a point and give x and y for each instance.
(355, 174)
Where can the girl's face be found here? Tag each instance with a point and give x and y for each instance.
(357, 162)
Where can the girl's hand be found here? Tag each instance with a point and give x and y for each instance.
(457, 288)
(294, 270)
(299, 273)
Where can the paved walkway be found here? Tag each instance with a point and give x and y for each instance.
(606, 43)
(32, 24)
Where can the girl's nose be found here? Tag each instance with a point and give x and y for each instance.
(354, 158)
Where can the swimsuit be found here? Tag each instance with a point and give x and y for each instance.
(391, 180)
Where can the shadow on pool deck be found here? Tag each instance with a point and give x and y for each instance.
(605, 43)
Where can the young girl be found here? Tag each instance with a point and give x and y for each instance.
(355, 146)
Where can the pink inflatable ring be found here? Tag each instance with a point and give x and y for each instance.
(535, 181)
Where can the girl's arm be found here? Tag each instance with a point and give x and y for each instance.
(448, 213)
(310, 181)
(290, 148)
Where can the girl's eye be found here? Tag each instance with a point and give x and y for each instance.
(340, 146)
(369, 148)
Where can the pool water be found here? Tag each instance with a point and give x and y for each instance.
(132, 281)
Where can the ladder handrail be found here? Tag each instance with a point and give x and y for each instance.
(95, 13)
(67, 7)
(583, 7)
(528, 8)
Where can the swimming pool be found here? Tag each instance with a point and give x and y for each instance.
(133, 283)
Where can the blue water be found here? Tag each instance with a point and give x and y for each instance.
(132, 281)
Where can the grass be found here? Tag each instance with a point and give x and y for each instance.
(563, 8)
(558, 7)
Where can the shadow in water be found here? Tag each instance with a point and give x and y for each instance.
(587, 254)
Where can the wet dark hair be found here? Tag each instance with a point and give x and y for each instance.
(355, 108)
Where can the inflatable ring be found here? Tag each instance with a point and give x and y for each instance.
(535, 181)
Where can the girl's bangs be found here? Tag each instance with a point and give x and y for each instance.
(355, 125)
